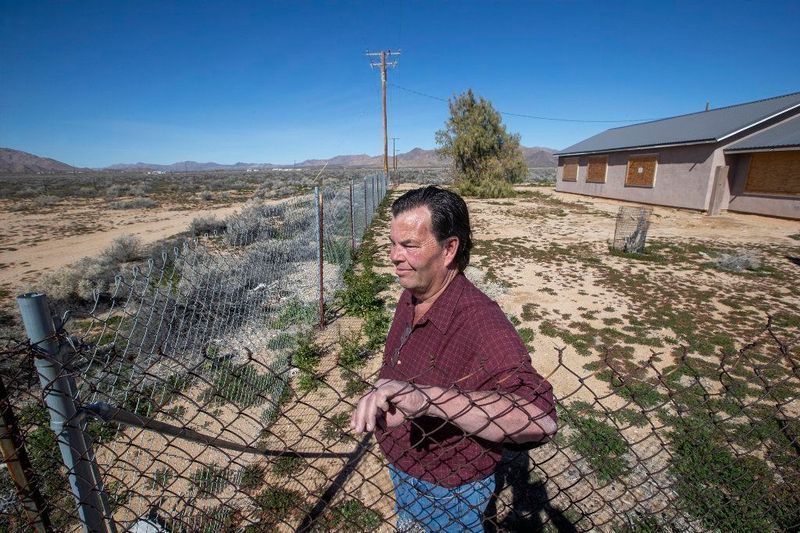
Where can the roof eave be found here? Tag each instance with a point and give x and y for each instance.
(782, 148)
(631, 148)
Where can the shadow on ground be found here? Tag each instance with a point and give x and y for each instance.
(530, 505)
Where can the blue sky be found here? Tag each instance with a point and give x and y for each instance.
(96, 83)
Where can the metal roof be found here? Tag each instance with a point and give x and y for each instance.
(781, 136)
(695, 128)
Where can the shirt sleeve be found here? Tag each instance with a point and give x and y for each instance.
(503, 363)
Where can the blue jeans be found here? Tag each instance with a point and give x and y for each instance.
(423, 506)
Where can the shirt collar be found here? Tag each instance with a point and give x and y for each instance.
(441, 312)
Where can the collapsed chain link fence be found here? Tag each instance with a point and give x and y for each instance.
(208, 406)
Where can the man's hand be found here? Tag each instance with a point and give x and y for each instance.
(394, 400)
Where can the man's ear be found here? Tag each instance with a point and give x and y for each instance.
(450, 250)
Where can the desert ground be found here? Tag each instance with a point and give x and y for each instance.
(612, 332)
(32, 244)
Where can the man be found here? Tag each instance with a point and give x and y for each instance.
(456, 381)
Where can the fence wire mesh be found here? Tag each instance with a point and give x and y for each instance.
(231, 416)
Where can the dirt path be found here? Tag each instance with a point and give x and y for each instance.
(33, 244)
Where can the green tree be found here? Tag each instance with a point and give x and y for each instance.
(486, 158)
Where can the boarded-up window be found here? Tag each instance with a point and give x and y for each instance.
(596, 169)
(641, 171)
(570, 170)
(774, 173)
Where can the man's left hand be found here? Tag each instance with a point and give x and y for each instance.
(394, 400)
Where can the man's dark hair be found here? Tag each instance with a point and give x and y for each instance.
(449, 217)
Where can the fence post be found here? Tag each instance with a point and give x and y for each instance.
(19, 467)
(321, 253)
(59, 392)
(352, 220)
(366, 222)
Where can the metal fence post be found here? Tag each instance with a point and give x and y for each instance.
(19, 467)
(366, 222)
(352, 220)
(59, 391)
(320, 253)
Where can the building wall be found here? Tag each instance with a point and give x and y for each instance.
(760, 204)
(684, 177)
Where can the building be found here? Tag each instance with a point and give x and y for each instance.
(743, 158)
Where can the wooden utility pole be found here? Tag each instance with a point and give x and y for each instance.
(383, 54)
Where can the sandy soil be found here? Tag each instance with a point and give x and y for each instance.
(34, 243)
(672, 222)
(552, 288)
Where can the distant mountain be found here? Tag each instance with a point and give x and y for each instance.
(415, 158)
(539, 156)
(16, 161)
(534, 157)
(186, 166)
(22, 162)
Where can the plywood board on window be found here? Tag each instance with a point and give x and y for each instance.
(596, 169)
(641, 171)
(774, 173)
(570, 170)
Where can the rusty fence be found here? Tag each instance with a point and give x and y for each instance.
(200, 396)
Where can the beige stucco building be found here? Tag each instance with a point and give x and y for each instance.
(740, 158)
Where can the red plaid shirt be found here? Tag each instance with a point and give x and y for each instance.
(466, 342)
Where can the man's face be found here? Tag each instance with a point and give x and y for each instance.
(421, 263)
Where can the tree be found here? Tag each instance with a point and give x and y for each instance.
(486, 158)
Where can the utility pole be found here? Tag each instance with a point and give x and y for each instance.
(383, 54)
(394, 155)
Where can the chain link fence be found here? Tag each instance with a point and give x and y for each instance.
(207, 404)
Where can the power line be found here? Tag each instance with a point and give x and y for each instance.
(553, 119)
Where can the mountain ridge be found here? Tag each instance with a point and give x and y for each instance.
(17, 161)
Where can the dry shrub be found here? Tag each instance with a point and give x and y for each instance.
(739, 261)
(136, 203)
(78, 284)
(124, 249)
(45, 200)
(207, 226)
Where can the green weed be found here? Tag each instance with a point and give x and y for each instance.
(376, 328)
(307, 354)
(353, 516)
(724, 491)
(240, 384)
(286, 465)
(335, 428)
(599, 443)
(630, 417)
(360, 295)
(352, 355)
(211, 480)
(526, 334)
(161, 478)
(643, 394)
(294, 312)
(252, 477)
(276, 504)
